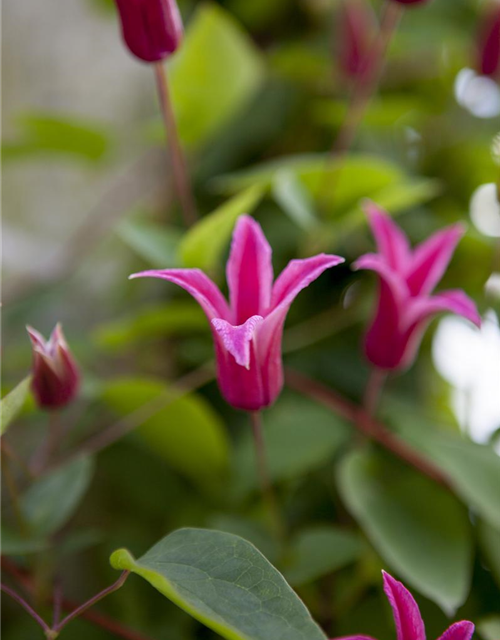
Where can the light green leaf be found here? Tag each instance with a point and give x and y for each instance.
(174, 318)
(224, 69)
(419, 528)
(293, 198)
(51, 501)
(357, 176)
(14, 544)
(489, 540)
(186, 432)
(225, 583)
(320, 550)
(157, 244)
(47, 133)
(489, 628)
(300, 436)
(12, 404)
(204, 243)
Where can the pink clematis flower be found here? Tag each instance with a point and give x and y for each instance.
(489, 44)
(152, 29)
(357, 28)
(247, 332)
(409, 623)
(407, 279)
(55, 378)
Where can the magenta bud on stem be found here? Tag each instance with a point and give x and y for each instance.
(152, 29)
(55, 374)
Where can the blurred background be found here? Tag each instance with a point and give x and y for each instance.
(260, 90)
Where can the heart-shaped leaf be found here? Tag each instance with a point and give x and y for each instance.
(224, 582)
(420, 529)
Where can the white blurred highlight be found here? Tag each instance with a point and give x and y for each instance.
(485, 210)
(480, 95)
(469, 359)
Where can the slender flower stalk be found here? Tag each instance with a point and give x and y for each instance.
(264, 475)
(182, 181)
(373, 391)
(365, 85)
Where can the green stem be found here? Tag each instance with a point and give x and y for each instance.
(264, 475)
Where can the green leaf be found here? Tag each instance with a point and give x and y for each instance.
(318, 551)
(473, 469)
(47, 133)
(51, 501)
(176, 318)
(155, 243)
(489, 540)
(204, 243)
(357, 176)
(186, 432)
(12, 404)
(225, 583)
(293, 198)
(14, 544)
(489, 628)
(224, 69)
(419, 528)
(300, 436)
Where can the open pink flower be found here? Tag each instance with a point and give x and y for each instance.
(55, 378)
(152, 29)
(247, 332)
(409, 623)
(407, 279)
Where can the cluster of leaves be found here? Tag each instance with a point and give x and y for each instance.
(257, 121)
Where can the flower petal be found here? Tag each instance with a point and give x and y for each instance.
(37, 340)
(432, 258)
(249, 271)
(237, 339)
(199, 285)
(456, 301)
(409, 623)
(459, 631)
(298, 275)
(391, 241)
(354, 638)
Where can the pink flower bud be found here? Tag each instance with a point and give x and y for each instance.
(357, 28)
(489, 44)
(152, 29)
(55, 374)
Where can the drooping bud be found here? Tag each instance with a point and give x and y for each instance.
(55, 378)
(357, 27)
(152, 29)
(489, 44)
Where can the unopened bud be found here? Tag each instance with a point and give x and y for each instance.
(489, 44)
(55, 378)
(152, 29)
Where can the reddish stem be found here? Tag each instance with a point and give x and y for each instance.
(373, 429)
(181, 177)
(20, 600)
(101, 620)
(90, 603)
(373, 391)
